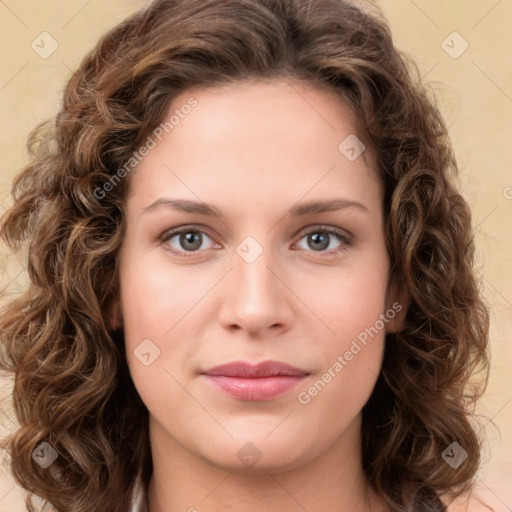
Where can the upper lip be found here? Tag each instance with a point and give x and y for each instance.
(248, 370)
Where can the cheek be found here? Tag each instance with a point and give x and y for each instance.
(154, 298)
(160, 321)
(350, 339)
(348, 299)
(351, 368)
(151, 316)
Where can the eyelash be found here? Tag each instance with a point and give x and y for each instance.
(342, 235)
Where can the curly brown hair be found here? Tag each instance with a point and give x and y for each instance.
(72, 387)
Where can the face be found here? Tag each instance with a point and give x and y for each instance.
(260, 275)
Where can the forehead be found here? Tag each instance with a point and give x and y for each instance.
(253, 109)
(253, 136)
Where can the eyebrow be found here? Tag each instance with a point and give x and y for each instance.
(311, 207)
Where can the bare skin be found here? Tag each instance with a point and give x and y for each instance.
(254, 151)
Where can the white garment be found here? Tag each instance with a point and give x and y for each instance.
(139, 502)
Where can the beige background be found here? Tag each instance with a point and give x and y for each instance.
(475, 95)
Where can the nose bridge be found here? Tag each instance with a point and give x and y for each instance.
(253, 275)
(255, 283)
(255, 298)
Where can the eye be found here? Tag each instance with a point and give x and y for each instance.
(192, 240)
(185, 240)
(320, 238)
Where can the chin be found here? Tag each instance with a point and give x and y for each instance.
(258, 456)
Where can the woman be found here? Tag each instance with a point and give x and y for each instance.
(252, 281)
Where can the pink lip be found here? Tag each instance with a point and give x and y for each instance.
(264, 381)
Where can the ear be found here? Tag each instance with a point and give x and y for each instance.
(397, 304)
(114, 317)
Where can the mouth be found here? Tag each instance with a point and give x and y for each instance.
(264, 381)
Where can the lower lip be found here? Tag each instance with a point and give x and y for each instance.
(261, 388)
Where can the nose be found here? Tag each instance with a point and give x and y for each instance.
(255, 296)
